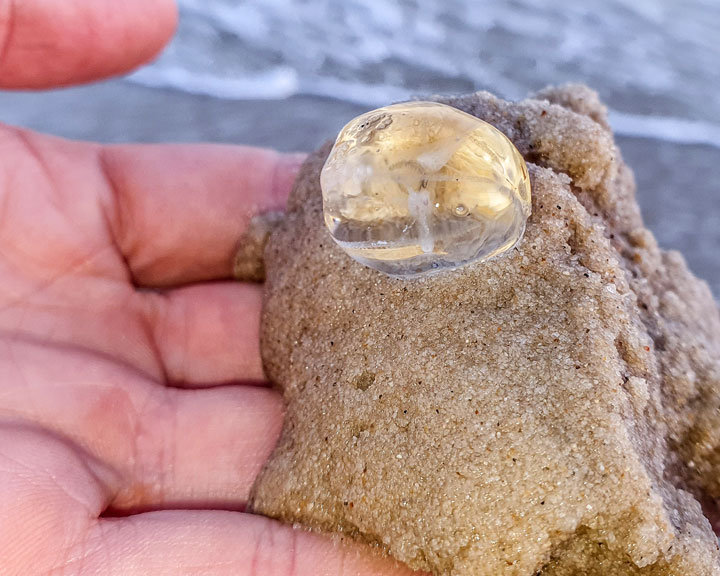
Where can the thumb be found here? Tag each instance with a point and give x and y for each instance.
(46, 43)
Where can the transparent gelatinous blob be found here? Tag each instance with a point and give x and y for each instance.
(419, 187)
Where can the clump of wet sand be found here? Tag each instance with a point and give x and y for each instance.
(554, 411)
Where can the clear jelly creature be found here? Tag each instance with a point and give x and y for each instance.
(419, 187)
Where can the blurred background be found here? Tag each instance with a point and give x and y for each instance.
(289, 73)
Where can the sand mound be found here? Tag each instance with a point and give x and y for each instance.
(554, 411)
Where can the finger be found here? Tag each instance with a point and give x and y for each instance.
(200, 449)
(45, 43)
(51, 495)
(179, 211)
(226, 543)
(207, 334)
(175, 213)
(199, 335)
(168, 447)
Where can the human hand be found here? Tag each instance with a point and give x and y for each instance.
(120, 453)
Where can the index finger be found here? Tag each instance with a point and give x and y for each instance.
(46, 43)
(178, 211)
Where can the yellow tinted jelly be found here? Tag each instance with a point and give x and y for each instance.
(419, 187)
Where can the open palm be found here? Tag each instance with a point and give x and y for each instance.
(133, 419)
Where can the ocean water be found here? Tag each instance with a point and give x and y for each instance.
(655, 62)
